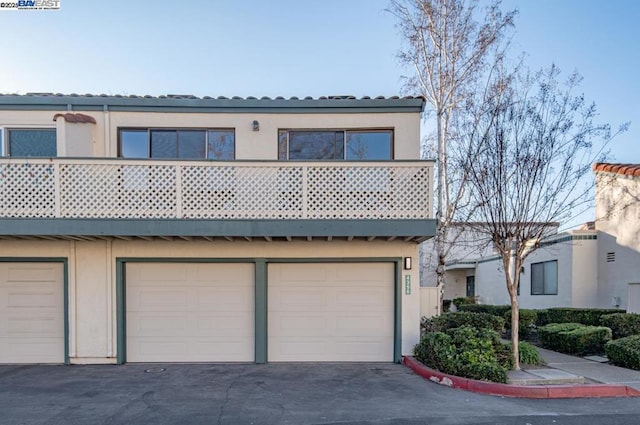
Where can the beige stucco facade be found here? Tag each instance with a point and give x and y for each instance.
(101, 139)
(92, 275)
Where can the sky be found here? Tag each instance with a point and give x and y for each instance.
(299, 48)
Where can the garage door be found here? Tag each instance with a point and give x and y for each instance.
(330, 312)
(31, 313)
(189, 312)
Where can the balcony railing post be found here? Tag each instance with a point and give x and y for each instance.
(56, 190)
(178, 169)
(305, 191)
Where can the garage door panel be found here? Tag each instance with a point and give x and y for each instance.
(156, 298)
(331, 320)
(188, 350)
(299, 299)
(37, 298)
(207, 315)
(31, 313)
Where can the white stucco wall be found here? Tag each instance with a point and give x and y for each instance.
(577, 276)
(92, 298)
(618, 225)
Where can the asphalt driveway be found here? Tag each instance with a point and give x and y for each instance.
(271, 394)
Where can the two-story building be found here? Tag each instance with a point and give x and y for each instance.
(185, 229)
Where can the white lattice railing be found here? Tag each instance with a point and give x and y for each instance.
(110, 188)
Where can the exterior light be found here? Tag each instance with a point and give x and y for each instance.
(407, 263)
(256, 125)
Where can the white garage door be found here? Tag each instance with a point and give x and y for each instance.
(31, 313)
(331, 312)
(189, 312)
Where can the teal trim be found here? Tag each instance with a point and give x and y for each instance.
(121, 326)
(261, 308)
(424, 228)
(397, 318)
(65, 290)
(197, 105)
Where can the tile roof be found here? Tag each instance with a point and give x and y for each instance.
(190, 103)
(624, 169)
(190, 96)
(76, 118)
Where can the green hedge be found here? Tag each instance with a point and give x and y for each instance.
(625, 352)
(496, 310)
(574, 338)
(526, 320)
(622, 324)
(460, 301)
(586, 316)
(456, 319)
(464, 351)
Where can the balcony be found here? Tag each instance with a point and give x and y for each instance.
(160, 197)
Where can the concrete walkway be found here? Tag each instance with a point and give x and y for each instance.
(593, 371)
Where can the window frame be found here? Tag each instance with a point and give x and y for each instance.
(345, 132)
(5, 145)
(149, 130)
(544, 282)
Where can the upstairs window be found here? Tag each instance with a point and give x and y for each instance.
(167, 143)
(544, 278)
(31, 142)
(352, 145)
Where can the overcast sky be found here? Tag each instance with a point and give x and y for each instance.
(297, 48)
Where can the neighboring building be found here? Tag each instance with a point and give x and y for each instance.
(176, 228)
(618, 225)
(597, 265)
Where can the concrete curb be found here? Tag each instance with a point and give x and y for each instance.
(520, 391)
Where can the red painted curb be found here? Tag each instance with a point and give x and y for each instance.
(520, 391)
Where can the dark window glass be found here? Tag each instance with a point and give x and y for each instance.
(34, 143)
(368, 145)
(544, 278)
(134, 144)
(164, 144)
(191, 144)
(316, 145)
(221, 144)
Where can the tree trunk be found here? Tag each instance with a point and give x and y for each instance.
(441, 231)
(515, 324)
(513, 279)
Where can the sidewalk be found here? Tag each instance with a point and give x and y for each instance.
(565, 369)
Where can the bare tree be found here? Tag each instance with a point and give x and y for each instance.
(450, 51)
(533, 150)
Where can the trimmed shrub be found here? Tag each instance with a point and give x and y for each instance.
(464, 351)
(460, 301)
(586, 316)
(622, 324)
(526, 319)
(528, 354)
(574, 338)
(625, 352)
(456, 319)
(495, 310)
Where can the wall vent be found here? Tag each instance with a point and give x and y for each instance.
(611, 257)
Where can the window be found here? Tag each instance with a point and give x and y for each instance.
(353, 145)
(170, 143)
(31, 142)
(544, 278)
